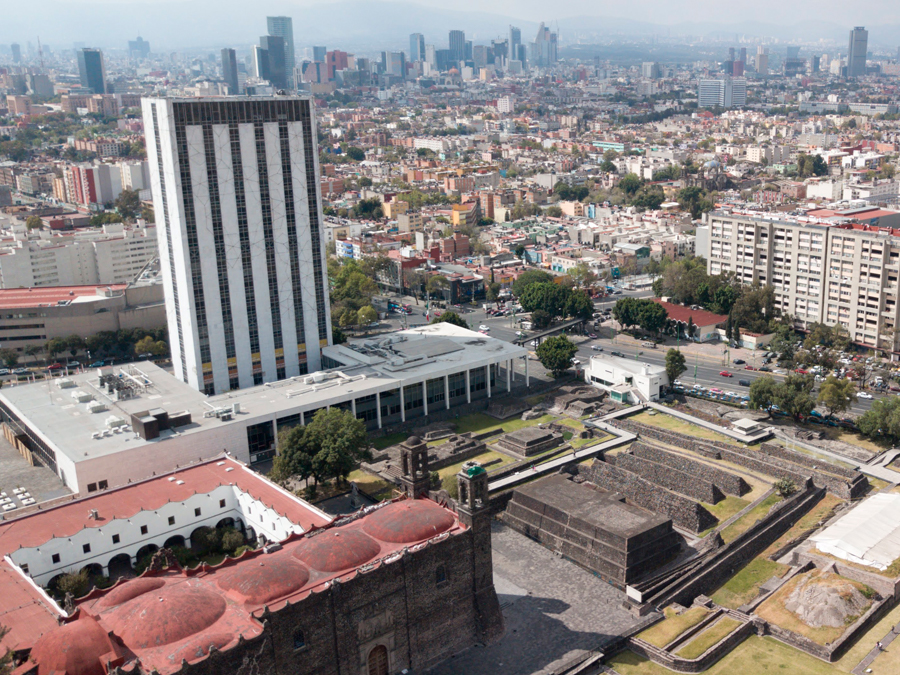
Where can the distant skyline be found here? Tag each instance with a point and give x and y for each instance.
(173, 24)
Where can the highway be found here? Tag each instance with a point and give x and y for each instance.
(702, 370)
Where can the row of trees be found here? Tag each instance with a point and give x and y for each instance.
(794, 396)
(650, 316)
(352, 288)
(122, 344)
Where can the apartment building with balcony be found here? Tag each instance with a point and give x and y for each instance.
(832, 271)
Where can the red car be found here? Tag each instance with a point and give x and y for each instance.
(55, 366)
(725, 373)
(801, 371)
(749, 367)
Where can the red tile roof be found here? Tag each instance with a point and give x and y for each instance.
(11, 298)
(700, 316)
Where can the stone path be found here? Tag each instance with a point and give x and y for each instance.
(884, 474)
(872, 655)
(740, 438)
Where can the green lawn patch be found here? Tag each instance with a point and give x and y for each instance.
(479, 423)
(713, 635)
(726, 507)
(389, 440)
(673, 625)
(744, 523)
(375, 487)
(754, 656)
(744, 586)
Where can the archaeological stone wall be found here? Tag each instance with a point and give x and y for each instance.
(669, 477)
(683, 511)
(727, 482)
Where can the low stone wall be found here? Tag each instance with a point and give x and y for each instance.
(684, 512)
(726, 561)
(725, 481)
(702, 662)
(842, 481)
(703, 415)
(669, 478)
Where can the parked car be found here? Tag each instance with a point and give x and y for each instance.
(749, 367)
(744, 383)
(864, 394)
(73, 364)
(483, 327)
(597, 348)
(725, 373)
(739, 362)
(55, 366)
(765, 369)
(593, 336)
(97, 364)
(4, 371)
(21, 371)
(801, 371)
(576, 362)
(679, 383)
(617, 354)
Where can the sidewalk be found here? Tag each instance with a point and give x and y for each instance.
(887, 475)
(740, 438)
(872, 655)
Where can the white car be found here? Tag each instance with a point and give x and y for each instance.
(576, 362)
(864, 394)
(535, 343)
(679, 383)
(483, 327)
(597, 348)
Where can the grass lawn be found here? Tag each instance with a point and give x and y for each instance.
(754, 656)
(389, 440)
(726, 507)
(744, 523)
(569, 422)
(773, 609)
(713, 635)
(858, 440)
(664, 421)
(373, 486)
(821, 511)
(673, 625)
(744, 586)
(479, 423)
(448, 473)
(534, 400)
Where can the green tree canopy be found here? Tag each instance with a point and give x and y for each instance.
(837, 394)
(529, 277)
(128, 204)
(556, 353)
(674, 365)
(630, 183)
(763, 392)
(882, 420)
(451, 317)
(549, 297)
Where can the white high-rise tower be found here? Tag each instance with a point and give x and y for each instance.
(236, 195)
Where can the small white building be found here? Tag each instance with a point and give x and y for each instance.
(627, 381)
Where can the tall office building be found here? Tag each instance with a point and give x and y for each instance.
(319, 54)
(283, 27)
(16, 52)
(416, 47)
(457, 46)
(544, 49)
(229, 70)
(856, 54)
(762, 61)
(138, 49)
(723, 92)
(274, 47)
(236, 192)
(91, 70)
(515, 44)
(260, 62)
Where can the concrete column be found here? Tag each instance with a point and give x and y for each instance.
(378, 407)
(425, 397)
(468, 388)
(526, 371)
(508, 381)
(447, 391)
(487, 379)
(353, 406)
(402, 406)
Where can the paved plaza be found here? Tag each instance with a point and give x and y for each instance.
(553, 611)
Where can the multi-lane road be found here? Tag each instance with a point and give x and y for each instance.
(702, 369)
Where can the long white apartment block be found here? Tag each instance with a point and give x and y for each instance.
(823, 270)
(235, 186)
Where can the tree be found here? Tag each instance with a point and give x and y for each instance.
(690, 327)
(837, 394)
(520, 251)
(674, 365)
(356, 154)
(492, 291)
(415, 279)
(9, 357)
(128, 204)
(549, 297)
(143, 346)
(75, 583)
(554, 212)
(763, 391)
(364, 181)
(882, 420)
(32, 350)
(630, 183)
(625, 311)
(74, 343)
(540, 319)
(556, 354)
(451, 317)
(34, 222)
(736, 336)
(336, 439)
(529, 277)
(436, 285)
(580, 306)
(582, 275)
(785, 487)
(794, 395)
(366, 315)
(651, 316)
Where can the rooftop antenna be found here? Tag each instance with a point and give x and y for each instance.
(40, 52)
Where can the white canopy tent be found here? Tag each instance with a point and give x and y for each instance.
(867, 535)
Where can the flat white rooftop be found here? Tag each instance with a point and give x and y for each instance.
(628, 365)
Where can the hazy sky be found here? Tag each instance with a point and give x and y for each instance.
(174, 23)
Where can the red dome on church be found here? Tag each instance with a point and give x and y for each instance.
(79, 647)
(265, 578)
(337, 549)
(130, 590)
(172, 613)
(408, 521)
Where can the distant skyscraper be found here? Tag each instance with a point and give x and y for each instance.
(457, 46)
(138, 49)
(274, 47)
(16, 52)
(230, 71)
(762, 61)
(430, 56)
(544, 48)
(416, 47)
(319, 54)
(856, 54)
(744, 55)
(91, 70)
(515, 41)
(260, 65)
(283, 27)
(236, 190)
